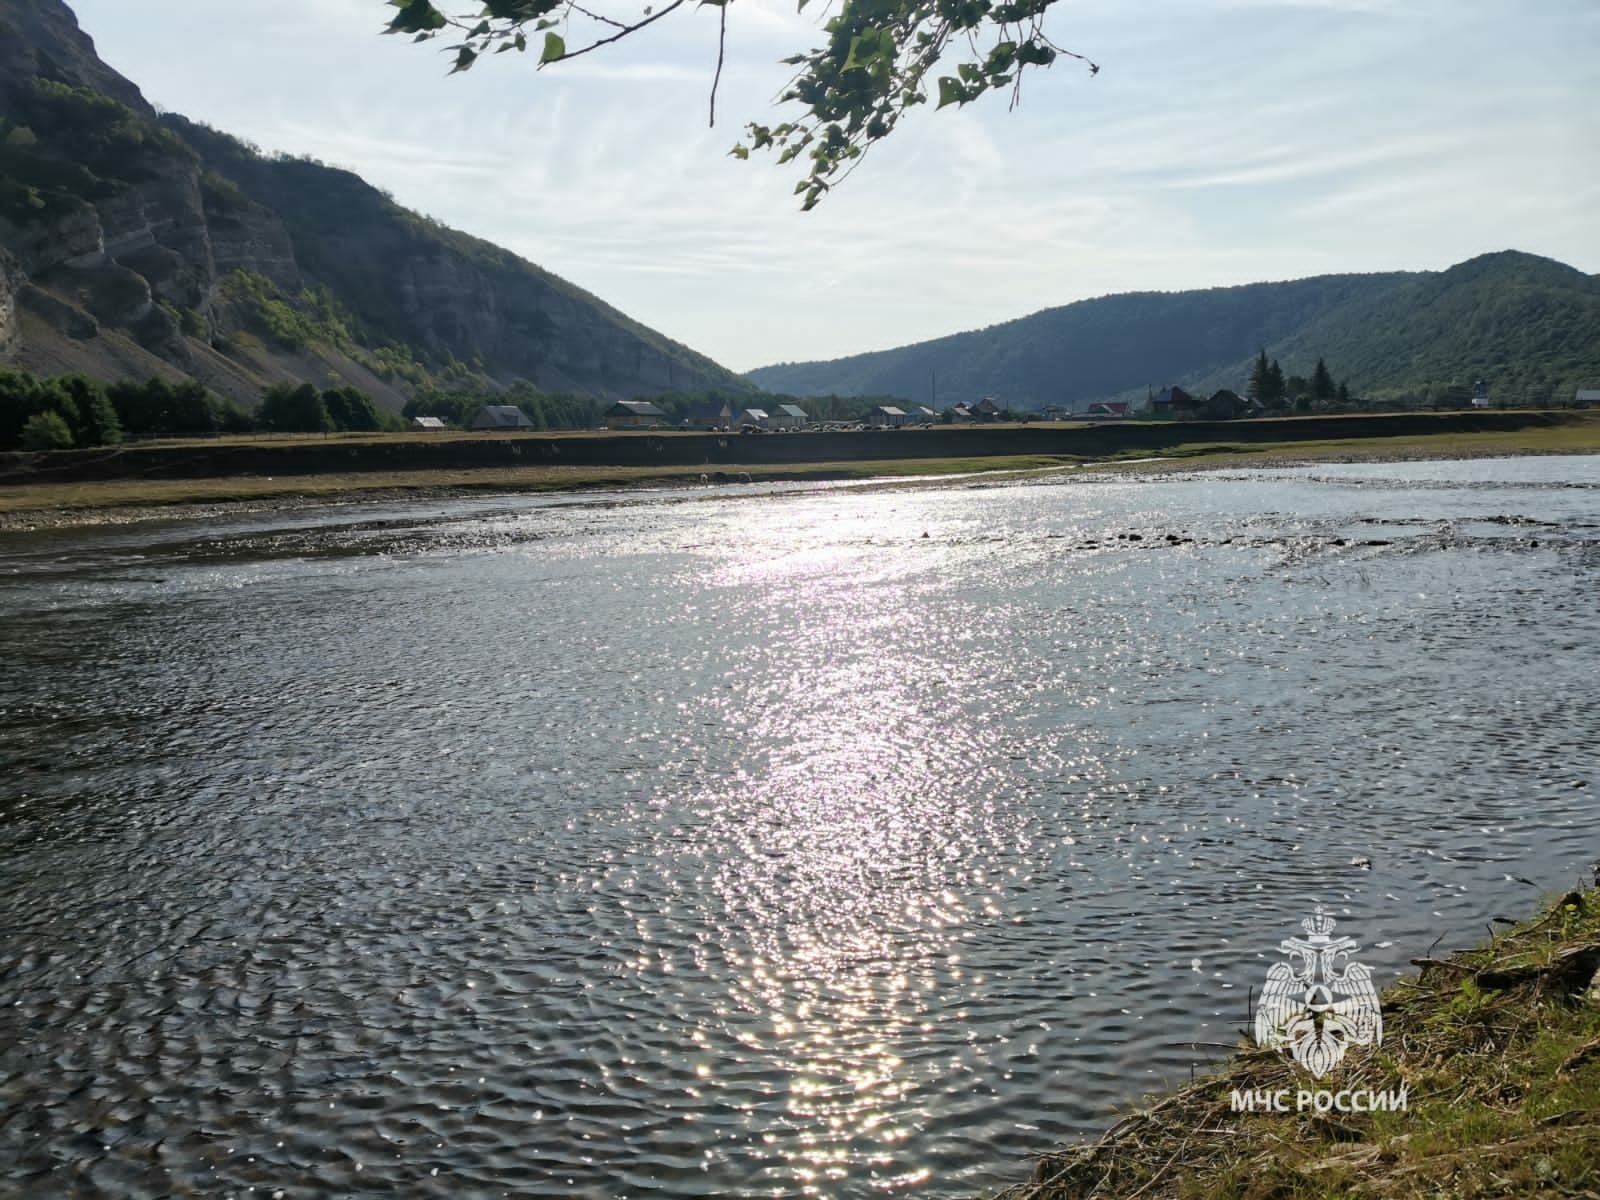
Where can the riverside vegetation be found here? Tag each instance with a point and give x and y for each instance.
(1498, 1048)
(78, 411)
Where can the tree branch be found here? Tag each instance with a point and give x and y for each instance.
(722, 45)
(594, 16)
(622, 32)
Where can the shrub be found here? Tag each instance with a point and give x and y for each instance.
(287, 408)
(46, 431)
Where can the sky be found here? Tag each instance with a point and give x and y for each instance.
(1222, 142)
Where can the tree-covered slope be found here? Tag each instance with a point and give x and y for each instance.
(1090, 350)
(1511, 319)
(1528, 327)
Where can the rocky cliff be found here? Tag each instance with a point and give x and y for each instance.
(11, 282)
(138, 244)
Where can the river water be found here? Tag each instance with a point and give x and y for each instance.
(749, 842)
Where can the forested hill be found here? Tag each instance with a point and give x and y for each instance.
(132, 244)
(1528, 326)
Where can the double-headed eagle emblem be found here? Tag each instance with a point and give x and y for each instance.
(1314, 1007)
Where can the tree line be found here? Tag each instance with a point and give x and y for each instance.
(77, 411)
(1274, 392)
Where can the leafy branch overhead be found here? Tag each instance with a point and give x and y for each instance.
(874, 66)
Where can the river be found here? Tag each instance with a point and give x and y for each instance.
(749, 841)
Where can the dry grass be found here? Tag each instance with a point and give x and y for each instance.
(1579, 435)
(1499, 1048)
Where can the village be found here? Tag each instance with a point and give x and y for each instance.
(725, 417)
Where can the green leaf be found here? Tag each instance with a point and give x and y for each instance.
(415, 16)
(1035, 53)
(465, 56)
(554, 48)
(951, 91)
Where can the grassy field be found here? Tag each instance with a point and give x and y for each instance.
(1498, 1048)
(1581, 436)
(37, 504)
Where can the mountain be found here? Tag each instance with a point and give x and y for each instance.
(1528, 326)
(134, 244)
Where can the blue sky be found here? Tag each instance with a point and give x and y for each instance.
(1223, 142)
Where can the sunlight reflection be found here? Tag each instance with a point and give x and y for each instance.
(846, 862)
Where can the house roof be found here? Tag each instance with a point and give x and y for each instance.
(889, 410)
(1172, 395)
(1115, 407)
(427, 423)
(986, 405)
(1587, 394)
(637, 408)
(753, 414)
(793, 410)
(502, 416)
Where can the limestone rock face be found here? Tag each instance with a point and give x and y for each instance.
(158, 229)
(250, 238)
(43, 39)
(74, 238)
(440, 292)
(153, 242)
(11, 282)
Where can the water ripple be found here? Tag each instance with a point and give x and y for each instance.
(825, 843)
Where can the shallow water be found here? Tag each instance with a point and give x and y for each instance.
(748, 841)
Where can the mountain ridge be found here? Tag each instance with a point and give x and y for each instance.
(133, 242)
(1367, 326)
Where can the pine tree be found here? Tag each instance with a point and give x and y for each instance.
(1277, 390)
(1256, 388)
(1322, 386)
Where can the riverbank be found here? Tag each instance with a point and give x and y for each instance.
(1498, 1049)
(38, 503)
